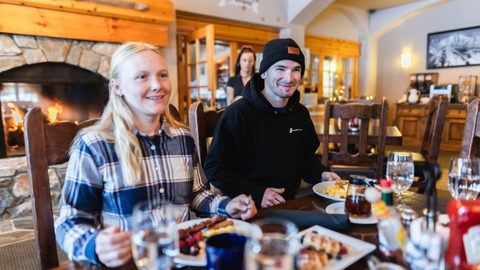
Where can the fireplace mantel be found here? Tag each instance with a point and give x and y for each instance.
(74, 20)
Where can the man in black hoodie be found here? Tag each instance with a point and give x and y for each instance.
(265, 143)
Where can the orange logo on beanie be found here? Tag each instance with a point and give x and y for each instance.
(293, 50)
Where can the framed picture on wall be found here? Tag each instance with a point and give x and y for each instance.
(454, 48)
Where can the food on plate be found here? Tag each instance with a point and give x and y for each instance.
(192, 239)
(337, 190)
(317, 250)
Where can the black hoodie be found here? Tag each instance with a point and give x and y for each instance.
(256, 146)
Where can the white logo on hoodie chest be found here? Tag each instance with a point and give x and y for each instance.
(295, 130)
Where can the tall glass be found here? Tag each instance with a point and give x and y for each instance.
(276, 249)
(400, 172)
(464, 178)
(154, 235)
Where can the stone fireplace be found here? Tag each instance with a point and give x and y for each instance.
(43, 72)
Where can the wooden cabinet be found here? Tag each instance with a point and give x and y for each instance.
(412, 119)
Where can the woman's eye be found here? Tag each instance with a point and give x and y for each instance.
(141, 77)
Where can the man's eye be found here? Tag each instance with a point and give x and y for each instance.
(141, 77)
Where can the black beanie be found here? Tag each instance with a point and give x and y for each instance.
(281, 49)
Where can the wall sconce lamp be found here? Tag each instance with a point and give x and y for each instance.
(406, 60)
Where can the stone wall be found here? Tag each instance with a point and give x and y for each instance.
(15, 191)
(19, 50)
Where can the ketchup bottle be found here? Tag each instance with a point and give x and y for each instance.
(464, 243)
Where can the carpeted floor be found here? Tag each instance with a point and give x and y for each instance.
(22, 256)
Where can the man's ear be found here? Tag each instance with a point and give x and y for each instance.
(263, 75)
(116, 87)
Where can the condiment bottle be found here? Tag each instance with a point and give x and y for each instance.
(388, 224)
(464, 242)
(387, 192)
(355, 203)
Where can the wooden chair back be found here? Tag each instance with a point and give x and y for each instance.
(434, 128)
(471, 135)
(366, 113)
(172, 110)
(369, 101)
(202, 126)
(45, 145)
(437, 111)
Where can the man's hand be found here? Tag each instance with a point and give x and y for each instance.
(272, 196)
(241, 207)
(330, 176)
(113, 247)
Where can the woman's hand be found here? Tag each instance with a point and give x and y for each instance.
(241, 207)
(330, 176)
(113, 247)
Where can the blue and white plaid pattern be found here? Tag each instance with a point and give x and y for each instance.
(95, 196)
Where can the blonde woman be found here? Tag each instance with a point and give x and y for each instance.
(136, 152)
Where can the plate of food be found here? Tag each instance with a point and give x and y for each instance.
(339, 208)
(334, 190)
(194, 233)
(325, 249)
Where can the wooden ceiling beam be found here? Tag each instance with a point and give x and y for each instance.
(23, 20)
(158, 11)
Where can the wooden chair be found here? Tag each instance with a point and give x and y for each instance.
(364, 163)
(45, 145)
(174, 112)
(202, 126)
(431, 140)
(471, 135)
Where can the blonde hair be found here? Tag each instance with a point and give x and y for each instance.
(116, 124)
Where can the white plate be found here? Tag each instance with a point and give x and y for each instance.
(202, 260)
(318, 188)
(356, 248)
(339, 208)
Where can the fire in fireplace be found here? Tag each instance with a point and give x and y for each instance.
(62, 91)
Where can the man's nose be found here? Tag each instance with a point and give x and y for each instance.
(288, 75)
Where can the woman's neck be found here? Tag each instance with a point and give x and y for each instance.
(148, 126)
(245, 74)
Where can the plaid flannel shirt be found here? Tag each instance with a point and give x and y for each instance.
(94, 195)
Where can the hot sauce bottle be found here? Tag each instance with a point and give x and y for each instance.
(464, 243)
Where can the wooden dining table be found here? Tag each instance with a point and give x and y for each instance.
(393, 137)
(311, 203)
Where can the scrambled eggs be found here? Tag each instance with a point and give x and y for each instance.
(228, 229)
(338, 190)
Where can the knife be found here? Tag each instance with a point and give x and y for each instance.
(119, 3)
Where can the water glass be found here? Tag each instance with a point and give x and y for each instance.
(400, 171)
(154, 235)
(276, 249)
(463, 178)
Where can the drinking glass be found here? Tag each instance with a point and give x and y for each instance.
(154, 235)
(400, 172)
(463, 178)
(276, 249)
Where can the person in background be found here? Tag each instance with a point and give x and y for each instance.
(135, 152)
(244, 68)
(265, 143)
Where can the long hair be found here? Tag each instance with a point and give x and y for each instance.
(245, 49)
(117, 125)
